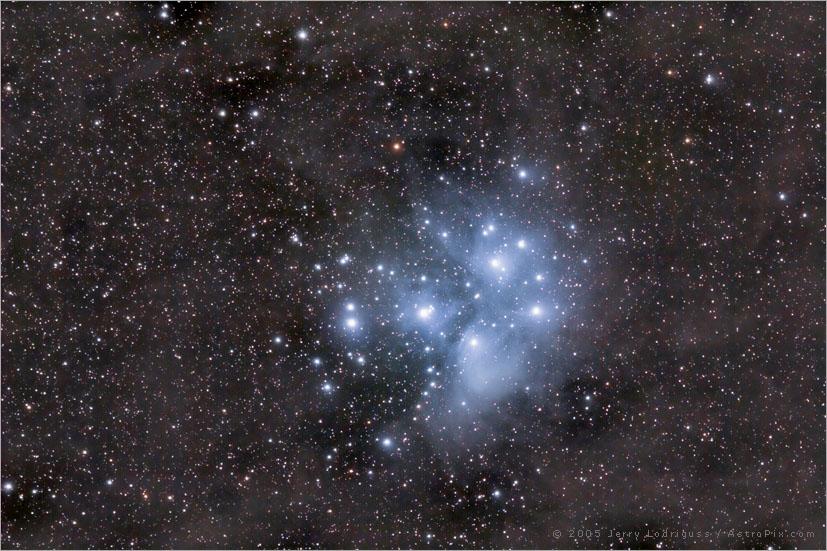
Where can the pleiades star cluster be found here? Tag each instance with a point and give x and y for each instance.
(413, 275)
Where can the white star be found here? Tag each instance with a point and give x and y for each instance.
(425, 312)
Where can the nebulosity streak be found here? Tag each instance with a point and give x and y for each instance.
(412, 275)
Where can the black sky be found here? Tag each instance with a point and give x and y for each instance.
(430, 275)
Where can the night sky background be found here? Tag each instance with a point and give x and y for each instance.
(413, 275)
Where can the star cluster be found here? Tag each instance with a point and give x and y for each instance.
(413, 275)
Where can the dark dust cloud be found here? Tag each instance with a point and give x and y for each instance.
(413, 275)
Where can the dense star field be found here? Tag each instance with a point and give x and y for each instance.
(413, 275)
